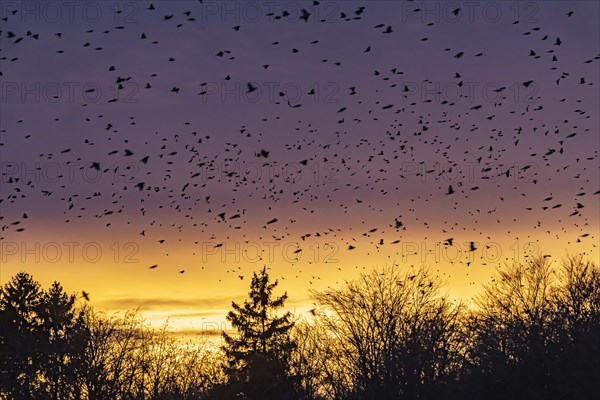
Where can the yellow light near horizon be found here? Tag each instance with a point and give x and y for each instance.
(198, 299)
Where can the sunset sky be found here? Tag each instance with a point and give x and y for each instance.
(216, 138)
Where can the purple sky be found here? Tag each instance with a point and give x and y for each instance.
(456, 94)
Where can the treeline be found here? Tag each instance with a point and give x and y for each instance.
(532, 333)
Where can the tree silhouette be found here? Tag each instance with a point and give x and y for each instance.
(42, 340)
(64, 341)
(395, 335)
(20, 336)
(126, 359)
(258, 356)
(535, 332)
(575, 350)
(511, 328)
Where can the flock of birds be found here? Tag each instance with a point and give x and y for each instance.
(376, 167)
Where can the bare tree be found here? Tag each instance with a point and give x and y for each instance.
(317, 362)
(575, 351)
(511, 327)
(578, 296)
(535, 331)
(127, 359)
(394, 333)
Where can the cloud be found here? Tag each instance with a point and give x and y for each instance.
(199, 314)
(215, 333)
(203, 306)
(165, 303)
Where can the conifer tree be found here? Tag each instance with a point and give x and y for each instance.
(258, 354)
(20, 336)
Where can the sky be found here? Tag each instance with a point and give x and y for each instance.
(154, 154)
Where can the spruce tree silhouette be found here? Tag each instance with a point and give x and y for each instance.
(64, 341)
(42, 340)
(20, 335)
(258, 356)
